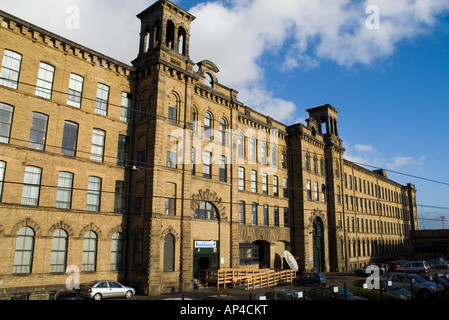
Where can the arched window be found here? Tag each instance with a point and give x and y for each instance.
(90, 251)
(263, 152)
(23, 255)
(315, 164)
(208, 126)
(209, 81)
(206, 211)
(194, 120)
(252, 149)
(117, 252)
(274, 156)
(181, 40)
(223, 128)
(173, 108)
(59, 251)
(284, 159)
(240, 148)
(169, 253)
(170, 35)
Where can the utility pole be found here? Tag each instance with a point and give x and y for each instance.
(442, 220)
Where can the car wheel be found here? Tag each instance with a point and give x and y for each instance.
(98, 296)
(128, 294)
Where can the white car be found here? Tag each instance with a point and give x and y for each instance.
(99, 290)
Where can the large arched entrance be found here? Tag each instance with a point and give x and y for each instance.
(318, 245)
(206, 251)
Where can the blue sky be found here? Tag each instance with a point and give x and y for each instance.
(390, 84)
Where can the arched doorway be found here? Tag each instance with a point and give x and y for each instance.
(206, 250)
(318, 245)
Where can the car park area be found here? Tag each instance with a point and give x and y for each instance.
(392, 283)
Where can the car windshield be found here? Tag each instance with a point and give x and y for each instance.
(391, 286)
(418, 279)
(292, 294)
(341, 291)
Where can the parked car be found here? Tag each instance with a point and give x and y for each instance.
(390, 291)
(393, 265)
(415, 283)
(98, 290)
(284, 295)
(67, 294)
(363, 270)
(444, 281)
(439, 264)
(315, 278)
(326, 293)
(419, 267)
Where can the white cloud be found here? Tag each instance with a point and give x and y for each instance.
(370, 156)
(398, 162)
(236, 34)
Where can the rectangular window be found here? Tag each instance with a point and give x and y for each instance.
(264, 183)
(265, 215)
(223, 171)
(275, 186)
(44, 83)
(241, 178)
(126, 107)
(93, 194)
(193, 160)
(31, 186)
(172, 159)
(38, 131)
(97, 150)
(276, 216)
(120, 197)
(69, 139)
(170, 206)
(75, 90)
(253, 181)
(207, 164)
(254, 214)
(101, 104)
(64, 193)
(315, 191)
(172, 114)
(286, 218)
(6, 112)
(284, 187)
(142, 159)
(2, 177)
(242, 212)
(309, 190)
(9, 74)
(122, 150)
